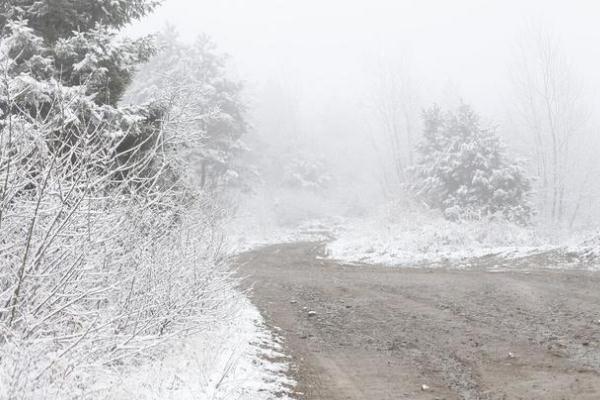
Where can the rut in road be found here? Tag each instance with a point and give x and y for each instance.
(382, 333)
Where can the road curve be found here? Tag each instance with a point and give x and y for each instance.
(381, 333)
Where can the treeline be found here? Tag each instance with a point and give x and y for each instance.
(548, 129)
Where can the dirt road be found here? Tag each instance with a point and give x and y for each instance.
(382, 333)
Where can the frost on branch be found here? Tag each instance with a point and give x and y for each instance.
(107, 250)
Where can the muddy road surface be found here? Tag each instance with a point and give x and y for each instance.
(382, 333)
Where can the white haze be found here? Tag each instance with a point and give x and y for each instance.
(325, 46)
(323, 58)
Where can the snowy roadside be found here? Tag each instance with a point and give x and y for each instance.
(414, 240)
(412, 237)
(415, 243)
(236, 358)
(232, 357)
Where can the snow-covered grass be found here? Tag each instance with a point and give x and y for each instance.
(402, 234)
(235, 358)
(416, 239)
(587, 250)
(405, 235)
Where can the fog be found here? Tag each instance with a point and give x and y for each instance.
(328, 61)
(317, 199)
(327, 47)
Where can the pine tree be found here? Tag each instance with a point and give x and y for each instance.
(63, 64)
(193, 81)
(464, 172)
(74, 42)
(54, 19)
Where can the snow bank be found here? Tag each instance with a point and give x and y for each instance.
(406, 234)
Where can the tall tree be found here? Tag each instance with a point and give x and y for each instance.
(395, 103)
(74, 42)
(192, 82)
(551, 109)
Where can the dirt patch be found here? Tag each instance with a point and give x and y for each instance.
(382, 333)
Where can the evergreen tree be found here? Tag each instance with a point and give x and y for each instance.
(192, 81)
(54, 19)
(62, 64)
(74, 42)
(463, 169)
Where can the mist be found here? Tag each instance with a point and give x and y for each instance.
(328, 61)
(310, 200)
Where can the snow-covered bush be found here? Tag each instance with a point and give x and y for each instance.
(463, 170)
(107, 250)
(105, 290)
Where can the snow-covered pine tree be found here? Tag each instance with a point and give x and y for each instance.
(193, 81)
(63, 64)
(464, 172)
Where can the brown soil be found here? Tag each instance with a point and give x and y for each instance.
(382, 333)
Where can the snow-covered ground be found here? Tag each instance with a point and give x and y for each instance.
(281, 217)
(415, 240)
(245, 236)
(238, 358)
(412, 238)
(406, 235)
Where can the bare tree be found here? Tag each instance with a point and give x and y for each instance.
(93, 271)
(395, 104)
(550, 105)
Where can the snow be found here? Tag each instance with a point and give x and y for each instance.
(419, 240)
(407, 235)
(244, 237)
(238, 358)
(283, 217)
(587, 250)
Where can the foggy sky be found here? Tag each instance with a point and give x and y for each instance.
(327, 46)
